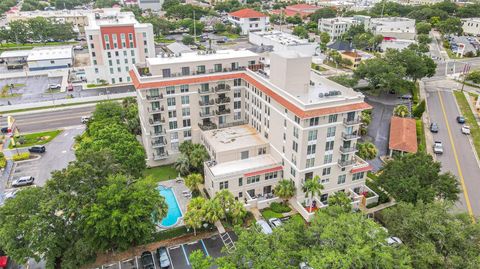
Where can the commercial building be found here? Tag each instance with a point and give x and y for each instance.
(115, 42)
(55, 57)
(302, 10)
(403, 136)
(394, 27)
(336, 27)
(283, 41)
(154, 5)
(261, 118)
(355, 57)
(471, 26)
(249, 20)
(15, 59)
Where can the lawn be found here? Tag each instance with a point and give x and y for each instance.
(297, 218)
(13, 46)
(161, 173)
(470, 119)
(268, 214)
(5, 93)
(229, 35)
(36, 138)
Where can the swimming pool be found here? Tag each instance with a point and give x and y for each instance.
(174, 213)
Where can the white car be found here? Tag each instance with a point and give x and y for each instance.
(54, 86)
(394, 241)
(466, 129)
(264, 227)
(275, 222)
(84, 119)
(78, 47)
(23, 181)
(438, 147)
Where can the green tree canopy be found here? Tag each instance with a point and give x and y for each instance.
(323, 13)
(451, 25)
(300, 31)
(285, 189)
(414, 177)
(423, 27)
(367, 151)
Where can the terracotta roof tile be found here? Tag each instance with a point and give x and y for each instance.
(247, 13)
(403, 135)
(302, 6)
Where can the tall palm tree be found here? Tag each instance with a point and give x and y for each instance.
(195, 213)
(367, 151)
(238, 212)
(182, 164)
(285, 189)
(225, 199)
(401, 111)
(311, 188)
(213, 211)
(193, 181)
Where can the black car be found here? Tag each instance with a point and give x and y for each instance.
(37, 149)
(147, 260)
(460, 119)
(4, 130)
(163, 258)
(434, 127)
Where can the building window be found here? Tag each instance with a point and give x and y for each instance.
(172, 114)
(93, 54)
(262, 151)
(218, 67)
(185, 100)
(183, 88)
(237, 82)
(295, 146)
(187, 133)
(173, 136)
(171, 101)
(326, 171)
(224, 185)
(329, 145)
(314, 121)
(204, 87)
(186, 123)
(185, 71)
(173, 125)
(332, 118)
(312, 135)
(201, 69)
(341, 179)
(358, 176)
(292, 171)
(240, 181)
(244, 155)
(295, 132)
(253, 179)
(331, 131)
(111, 70)
(311, 149)
(328, 158)
(297, 119)
(271, 175)
(185, 111)
(237, 105)
(166, 72)
(109, 55)
(310, 162)
(96, 70)
(170, 90)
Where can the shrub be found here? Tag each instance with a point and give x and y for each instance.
(382, 196)
(279, 208)
(3, 161)
(21, 156)
(419, 109)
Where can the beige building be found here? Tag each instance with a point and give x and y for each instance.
(262, 119)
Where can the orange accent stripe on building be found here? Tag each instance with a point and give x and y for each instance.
(261, 172)
(361, 169)
(275, 96)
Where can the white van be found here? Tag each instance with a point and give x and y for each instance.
(265, 228)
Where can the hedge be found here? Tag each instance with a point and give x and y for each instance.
(279, 208)
(21, 156)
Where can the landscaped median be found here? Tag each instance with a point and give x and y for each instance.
(470, 118)
(33, 139)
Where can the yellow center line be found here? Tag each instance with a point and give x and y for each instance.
(460, 174)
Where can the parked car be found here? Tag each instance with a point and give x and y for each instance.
(85, 119)
(406, 97)
(23, 181)
(392, 240)
(163, 258)
(11, 194)
(70, 88)
(275, 222)
(54, 86)
(304, 265)
(264, 227)
(466, 129)
(78, 47)
(434, 127)
(37, 149)
(460, 119)
(147, 260)
(438, 147)
(4, 130)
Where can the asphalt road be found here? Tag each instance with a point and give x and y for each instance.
(34, 121)
(458, 156)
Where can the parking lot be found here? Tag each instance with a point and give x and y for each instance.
(179, 254)
(31, 89)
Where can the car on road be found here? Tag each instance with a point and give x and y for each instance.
(460, 119)
(4, 130)
(406, 97)
(147, 260)
(70, 88)
(85, 119)
(264, 227)
(23, 181)
(438, 147)
(54, 86)
(434, 127)
(466, 129)
(78, 47)
(163, 258)
(11, 194)
(37, 149)
(275, 222)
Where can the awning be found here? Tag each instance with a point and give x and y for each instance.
(264, 171)
(361, 169)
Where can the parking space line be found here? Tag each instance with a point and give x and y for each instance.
(154, 263)
(185, 253)
(170, 257)
(204, 247)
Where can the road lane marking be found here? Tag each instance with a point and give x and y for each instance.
(457, 162)
(185, 253)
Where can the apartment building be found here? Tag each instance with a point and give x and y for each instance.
(249, 20)
(394, 27)
(336, 27)
(262, 119)
(154, 5)
(116, 41)
(471, 26)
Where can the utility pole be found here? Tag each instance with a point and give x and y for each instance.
(194, 29)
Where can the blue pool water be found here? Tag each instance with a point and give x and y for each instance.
(174, 212)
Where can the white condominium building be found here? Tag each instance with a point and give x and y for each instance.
(336, 27)
(116, 41)
(260, 123)
(394, 27)
(471, 26)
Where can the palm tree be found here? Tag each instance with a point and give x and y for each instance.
(195, 213)
(238, 212)
(367, 151)
(401, 111)
(182, 164)
(193, 181)
(198, 156)
(225, 199)
(285, 189)
(213, 211)
(311, 188)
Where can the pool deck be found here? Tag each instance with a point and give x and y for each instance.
(178, 188)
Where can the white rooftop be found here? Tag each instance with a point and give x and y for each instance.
(283, 38)
(50, 53)
(196, 57)
(111, 18)
(233, 138)
(245, 165)
(60, 13)
(15, 53)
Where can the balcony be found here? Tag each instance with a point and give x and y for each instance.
(153, 121)
(206, 114)
(210, 102)
(207, 126)
(155, 97)
(345, 163)
(156, 109)
(231, 124)
(350, 122)
(353, 136)
(223, 100)
(159, 143)
(206, 91)
(223, 111)
(160, 156)
(144, 71)
(222, 88)
(345, 150)
(160, 133)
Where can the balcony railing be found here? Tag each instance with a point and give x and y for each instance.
(156, 121)
(349, 122)
(347, 150)
(156, 109)
(231, 124)
(208, 126)
(345, 163)
(210, 102)
(153, 133)
(223, 100)
(159, 142)
(222, 88)
(222, 112)
(206, 91)
(206, 114)
(145, 72)
(154, 97)
(346, 136)
(160, 156)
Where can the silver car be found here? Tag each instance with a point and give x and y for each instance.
(23, 181)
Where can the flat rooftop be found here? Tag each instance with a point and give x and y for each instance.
(245, 165)
(283, 38)
(111, 17)
(50, 53)
(233, 138)
(190, 57)
(15, 53)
